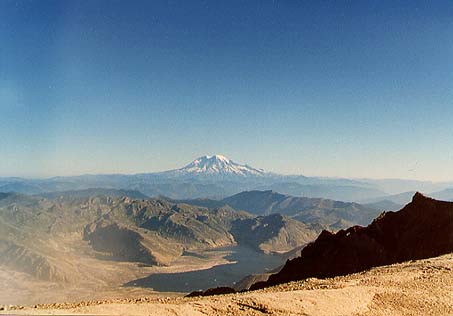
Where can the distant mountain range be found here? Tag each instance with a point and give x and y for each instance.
(330, 214)
(218, 177)
(396, 201)
(86, 193)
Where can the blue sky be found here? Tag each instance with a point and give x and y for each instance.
(328, 88)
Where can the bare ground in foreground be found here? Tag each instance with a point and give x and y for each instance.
(423, 287)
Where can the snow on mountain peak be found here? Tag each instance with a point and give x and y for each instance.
(218, 157)
(218, 165)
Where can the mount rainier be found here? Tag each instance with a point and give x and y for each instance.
(216, 165)
(217, 176)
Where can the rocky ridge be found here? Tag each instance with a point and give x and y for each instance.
(422, 229)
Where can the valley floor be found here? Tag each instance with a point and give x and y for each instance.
(423, 287)
(108, 280)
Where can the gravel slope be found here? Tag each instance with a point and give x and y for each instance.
(423, 287)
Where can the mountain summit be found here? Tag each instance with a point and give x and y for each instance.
(217, 165)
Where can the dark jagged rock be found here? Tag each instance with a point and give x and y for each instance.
(213, 291)
(422, 229)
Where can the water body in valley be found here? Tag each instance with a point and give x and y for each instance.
(244, 261)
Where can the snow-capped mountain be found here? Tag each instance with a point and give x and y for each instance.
(218, 165)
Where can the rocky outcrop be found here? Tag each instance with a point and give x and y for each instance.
(422, 229)
(214, 291)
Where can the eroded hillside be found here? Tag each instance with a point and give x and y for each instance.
(75, 244)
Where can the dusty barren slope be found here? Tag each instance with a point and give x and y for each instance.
(423, 287)
(73, 247)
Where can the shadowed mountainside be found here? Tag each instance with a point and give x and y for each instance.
(273, 233)
(422, 229)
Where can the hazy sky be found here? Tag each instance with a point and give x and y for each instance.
(330, 88)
